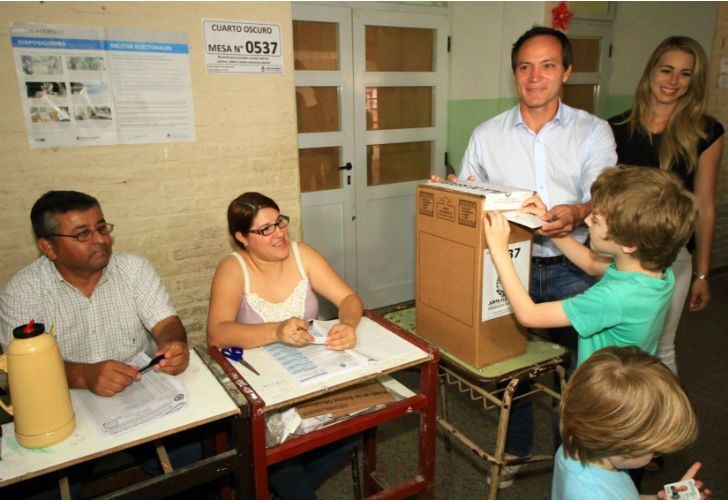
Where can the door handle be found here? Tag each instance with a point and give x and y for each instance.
(346, 167)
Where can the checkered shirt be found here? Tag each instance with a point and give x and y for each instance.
(114, 323)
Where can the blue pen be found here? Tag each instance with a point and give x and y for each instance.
(236, 354)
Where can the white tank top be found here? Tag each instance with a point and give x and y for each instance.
(293, 306)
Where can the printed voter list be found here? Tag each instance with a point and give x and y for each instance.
(242, 47)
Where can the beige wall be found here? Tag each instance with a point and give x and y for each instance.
(482, 35)
(640, 26)
(168, 201)
(718, 107)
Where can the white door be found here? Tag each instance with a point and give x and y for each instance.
(371, 94)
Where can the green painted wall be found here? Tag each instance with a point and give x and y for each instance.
(466, 114)
(614, 105)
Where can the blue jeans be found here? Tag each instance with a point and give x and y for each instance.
(298, 478)
(548, 284)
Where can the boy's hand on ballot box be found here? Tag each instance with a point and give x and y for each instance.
(534, 206)
(560, 220)
(497, 231)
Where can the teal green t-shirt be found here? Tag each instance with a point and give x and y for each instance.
(621, 309)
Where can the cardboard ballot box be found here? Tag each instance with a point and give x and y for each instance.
(461, 305)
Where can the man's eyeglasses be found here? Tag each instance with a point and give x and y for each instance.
(269, 229)
(103, 229)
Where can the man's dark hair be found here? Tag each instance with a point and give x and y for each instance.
(541, 31)
(57, 202)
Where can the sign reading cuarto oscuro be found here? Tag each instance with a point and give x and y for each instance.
(242, 47)
(95, 85)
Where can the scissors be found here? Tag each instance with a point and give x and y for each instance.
(236, 354)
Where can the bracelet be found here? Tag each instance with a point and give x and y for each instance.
(700, 276)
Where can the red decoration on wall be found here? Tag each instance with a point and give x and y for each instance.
(560, 16)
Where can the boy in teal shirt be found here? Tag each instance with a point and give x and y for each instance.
(641, 218)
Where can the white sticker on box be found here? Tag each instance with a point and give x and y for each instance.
(495, 304)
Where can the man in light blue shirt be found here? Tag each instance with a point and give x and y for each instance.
(557, 151)
(558, 159)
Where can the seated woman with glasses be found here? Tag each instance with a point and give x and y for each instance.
(263, 293)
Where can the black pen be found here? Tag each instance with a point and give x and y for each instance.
(310, 323)
(152, 363)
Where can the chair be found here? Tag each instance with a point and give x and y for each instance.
(541, 358)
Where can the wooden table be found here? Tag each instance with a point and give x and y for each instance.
(208, 405)
(264, 395)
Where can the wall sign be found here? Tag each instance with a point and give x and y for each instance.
(242, 47)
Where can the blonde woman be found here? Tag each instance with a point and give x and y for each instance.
(668, 128)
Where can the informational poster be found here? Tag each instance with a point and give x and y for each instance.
(495, 303)
(242, 47)
(90, 85)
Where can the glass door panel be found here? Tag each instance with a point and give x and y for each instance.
(315, 46)
(371, 89)
(590, 42)
(392, 48)
(585, 54)
(399, 162)
(580, 96)
(399, 107)
(317, 109)
(319, 169)
(322, 48)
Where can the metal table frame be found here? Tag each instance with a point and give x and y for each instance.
(375, 484)
(541, 358)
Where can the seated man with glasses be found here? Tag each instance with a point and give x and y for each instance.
(106, 307)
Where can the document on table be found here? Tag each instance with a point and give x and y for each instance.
(319, 330)
(155, 396)
(314, 362)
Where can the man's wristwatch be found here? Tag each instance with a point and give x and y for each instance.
(700, 276)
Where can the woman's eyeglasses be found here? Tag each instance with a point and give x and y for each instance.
(269, 229)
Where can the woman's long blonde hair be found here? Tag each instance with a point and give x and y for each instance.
(688, 124)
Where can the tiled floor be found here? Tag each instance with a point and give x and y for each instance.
(702, 350)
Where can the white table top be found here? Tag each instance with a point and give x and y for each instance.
(387, 351)
(207, 402)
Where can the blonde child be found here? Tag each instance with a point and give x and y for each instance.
(619, 408)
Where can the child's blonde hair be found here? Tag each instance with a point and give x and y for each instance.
(647, 208)
(623, 401)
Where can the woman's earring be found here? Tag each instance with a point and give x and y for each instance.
(239, 238)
